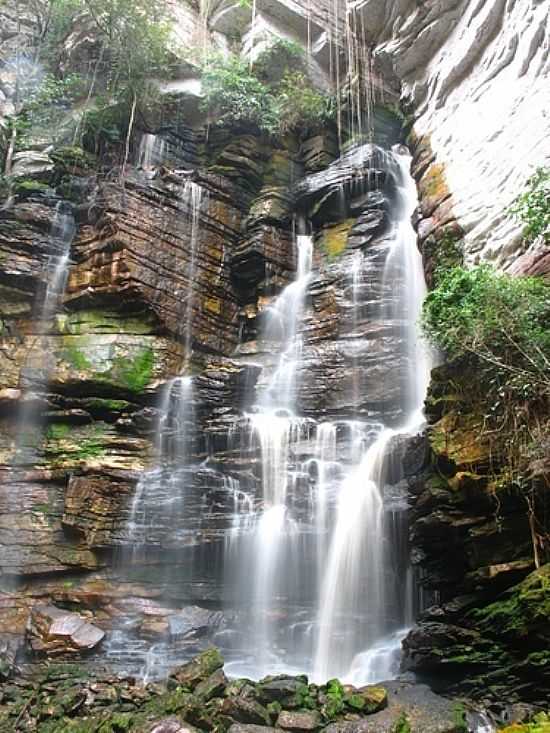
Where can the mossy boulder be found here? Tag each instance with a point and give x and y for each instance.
(199, 669)
(523, 612)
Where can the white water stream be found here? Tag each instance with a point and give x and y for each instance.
(308, 561)
(333, 576)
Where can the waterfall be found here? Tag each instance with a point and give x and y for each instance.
(157, 512)
(354, 583)
(62, 232)
(355, 558)
(151, 151)
(314, 566)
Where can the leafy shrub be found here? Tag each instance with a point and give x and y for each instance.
(46, 105)
(299, 105)
(273, 63)
(532, 208)
(498, 320)
(495, 327)
(234, 95)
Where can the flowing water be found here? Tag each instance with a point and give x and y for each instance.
(151, 151)
(317, 585)
(315, 566)
(62, 233)
(157, 514)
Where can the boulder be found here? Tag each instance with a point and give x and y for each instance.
(245, 710)
(299, 720)
(374, 697)
(52, 630)
(198, 669)
(279, 688)
(213, 686)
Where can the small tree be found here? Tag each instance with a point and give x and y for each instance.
(532, 207)
(136, 35)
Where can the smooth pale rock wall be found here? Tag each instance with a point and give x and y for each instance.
(478, 74)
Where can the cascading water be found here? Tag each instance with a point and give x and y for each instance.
(356, 556)
(157, 513)
(151, 151)
(62, 234)
(318, 585)
(63, 231)
(193, 195)
(274, 428)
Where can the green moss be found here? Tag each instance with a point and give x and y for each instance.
(74, 356)
(304, 698)
(69, 443)
(459, 718)
(105, 321)
(335, 239)
(524, 610)
(539, 724)
(401, 725)
(71, 158)
(58, 431)
(135, 373)
(28, 187)
(107, 405)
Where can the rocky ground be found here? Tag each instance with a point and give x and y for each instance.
(63, 698)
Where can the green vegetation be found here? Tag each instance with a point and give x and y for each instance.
(402, 724)
(234, 95)
(270, 97)
(335, 704)
(532, 207)
(300, 106)
(522, 611)
(459, 716)
(500, 322)
(133, 47)
(494, 329)
(445, 252)
(134, 373)
(539, 724)
(68, 443)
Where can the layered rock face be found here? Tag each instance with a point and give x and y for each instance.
(187, 256)
(474, 544)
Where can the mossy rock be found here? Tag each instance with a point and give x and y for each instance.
(335, 238)
(83, 322)
(69, 444)
(460, 439)
(523, 612)
(124, 363)
(199, 669)
(375, 698)
(540, 724)
(27, 188)
(72, 159)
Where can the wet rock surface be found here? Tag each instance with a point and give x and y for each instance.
(53, 631)
(59, 696)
